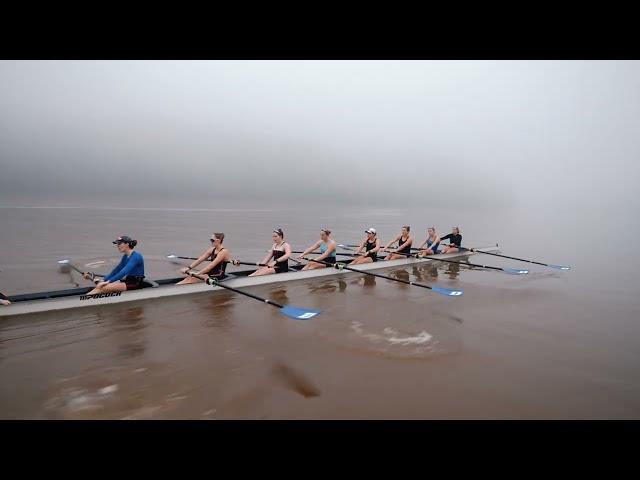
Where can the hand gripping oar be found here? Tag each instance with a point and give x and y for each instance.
(557, 267)
(93, 276)
(441, 290)
(512, 271)
(296, 313)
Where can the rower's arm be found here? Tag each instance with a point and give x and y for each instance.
(134, 261)
(330, 248)
(266, 259)
(311, 248)
(207, 253)
(361, 246)
(118, 267)
(220, 257)
(394, 240)
(408, 242)
(376, 249)
(287, 254)
(446, 237)
(423, 243)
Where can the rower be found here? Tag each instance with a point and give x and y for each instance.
(371, 245)
(432, 242)
(455, 241)
(280, 253)
(128, 274)
(327, 251)
(404, 244)
(217, 255)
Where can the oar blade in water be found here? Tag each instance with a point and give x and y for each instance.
(560, 267)
(515, 271)
(298, 313)
(447, 291)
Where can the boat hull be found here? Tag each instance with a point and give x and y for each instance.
(85, 301)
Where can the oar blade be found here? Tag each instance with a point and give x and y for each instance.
(298, 313)
(515, 271)
(447, 291)
(64, 261)
(560, 267)
(173, 258)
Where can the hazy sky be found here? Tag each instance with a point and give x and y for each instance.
(523, 134)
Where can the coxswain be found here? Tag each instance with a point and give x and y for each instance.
(127, 275)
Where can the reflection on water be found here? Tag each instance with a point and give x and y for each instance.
(427, 272)
(380, 349)
(401, 274)
(452, 269)
(128, 327)
(217, 310)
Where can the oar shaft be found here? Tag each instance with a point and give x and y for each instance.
(253, 264)
(209, 281)
(435, 257)
(372, 274)
(506, 256)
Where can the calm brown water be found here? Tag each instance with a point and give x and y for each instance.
(548, 345)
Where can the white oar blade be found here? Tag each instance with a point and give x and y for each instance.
(64, 262)
(174, 259)
(515, 271)
(299, 313)
(448, 292)
(560, 267)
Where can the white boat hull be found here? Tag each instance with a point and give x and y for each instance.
(79, 301)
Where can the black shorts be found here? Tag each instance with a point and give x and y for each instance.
(331, 260)
(133, 283)
(281, 267)
(373, 256)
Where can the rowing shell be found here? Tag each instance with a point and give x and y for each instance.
(77, 298)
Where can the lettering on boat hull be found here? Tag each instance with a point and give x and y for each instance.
(100, 295)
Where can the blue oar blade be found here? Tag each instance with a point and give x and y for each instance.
(560, 267)
(515, 271)
(298, 313)
(447, 291)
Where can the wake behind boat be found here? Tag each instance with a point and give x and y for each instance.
(78, 297)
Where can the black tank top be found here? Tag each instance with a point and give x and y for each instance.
(219, 269)
(280, 266)
(278, 253)
(406, 249)
(370, 246)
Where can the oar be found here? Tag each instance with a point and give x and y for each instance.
(557, 267)
(443, 291)
(512, 271)
(288, 310)
(92, 276)
(234, 262)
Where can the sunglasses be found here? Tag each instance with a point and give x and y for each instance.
(212, 240)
